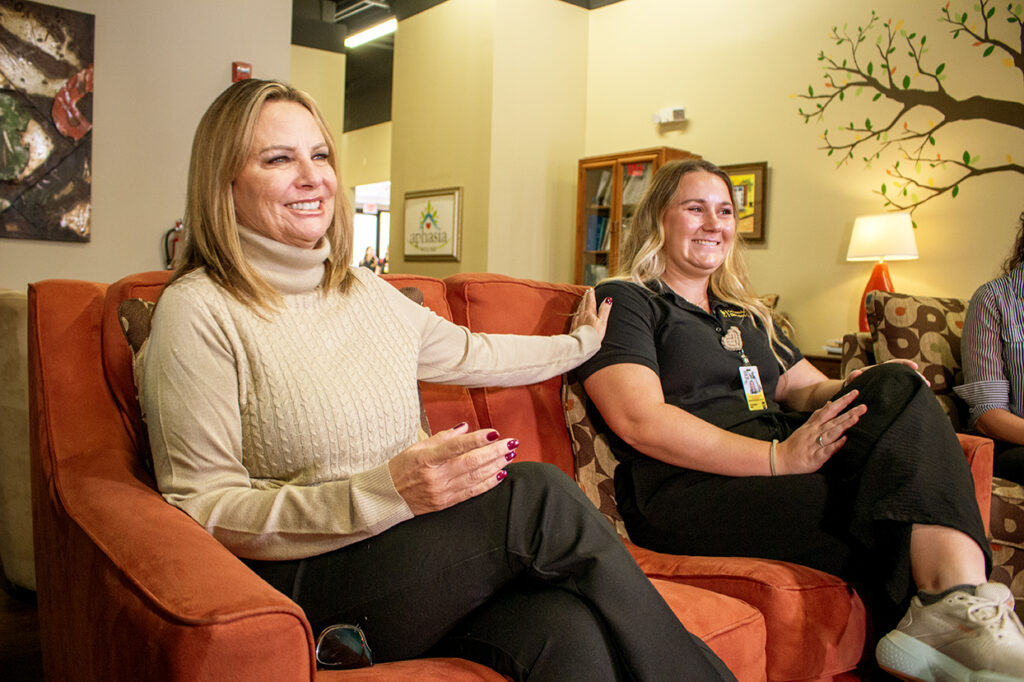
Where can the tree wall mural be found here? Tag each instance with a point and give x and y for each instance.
(910, 111)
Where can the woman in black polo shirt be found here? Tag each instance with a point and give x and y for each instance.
(714, 414)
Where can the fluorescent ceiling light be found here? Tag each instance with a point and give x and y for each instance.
(372, 33)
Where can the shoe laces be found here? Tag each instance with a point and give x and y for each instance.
(994, 616)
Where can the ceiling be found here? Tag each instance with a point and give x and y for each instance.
(352, 16)
(324, 25)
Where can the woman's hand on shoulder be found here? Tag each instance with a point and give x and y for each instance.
(820, 437)
(450, 466)
(588, 312)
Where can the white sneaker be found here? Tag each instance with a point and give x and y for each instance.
(963, 637)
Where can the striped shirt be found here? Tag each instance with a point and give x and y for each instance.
(993, 347)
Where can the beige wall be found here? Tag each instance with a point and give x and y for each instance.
(322, 74)
(441, 121)
(366, 155)
(734, 66)
(158, 66)
(539, 112)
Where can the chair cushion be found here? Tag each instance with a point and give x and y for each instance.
(732, 628)
(502, 305)
(445, 406)
(926, 330)
(816, 624)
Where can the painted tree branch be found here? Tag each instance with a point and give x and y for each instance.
(897, 62)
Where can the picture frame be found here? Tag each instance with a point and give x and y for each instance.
(750, 187)
(433, 225)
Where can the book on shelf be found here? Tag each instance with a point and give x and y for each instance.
(594, 273)
(597, 228)
(603, 188)
(606, 238)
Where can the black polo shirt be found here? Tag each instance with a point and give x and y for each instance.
(682, 344)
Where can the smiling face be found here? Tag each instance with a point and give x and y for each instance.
(700, 225)
(285, 190)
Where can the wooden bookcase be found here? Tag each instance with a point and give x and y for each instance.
(607, 191)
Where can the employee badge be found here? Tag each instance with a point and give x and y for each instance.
(752, 389)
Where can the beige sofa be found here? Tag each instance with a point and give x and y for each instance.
(15, 493)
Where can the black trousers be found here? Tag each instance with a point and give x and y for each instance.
(1008, 462)
(528, 578)
(902, 464)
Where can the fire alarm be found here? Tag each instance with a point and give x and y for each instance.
(240, 71)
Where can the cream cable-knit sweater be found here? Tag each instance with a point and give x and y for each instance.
(274, 430)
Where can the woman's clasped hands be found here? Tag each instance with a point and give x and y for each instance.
(820, 437)
(451, 466)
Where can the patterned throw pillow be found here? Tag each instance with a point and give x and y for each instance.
(926, 330)
(592, 457)
(136, 317)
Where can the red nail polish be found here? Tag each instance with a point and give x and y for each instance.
(608, 300)
(510, 456)
(492, 435)
(460, 425)
(502, 474)
(513, 444)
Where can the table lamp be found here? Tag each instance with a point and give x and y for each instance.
(889, 236)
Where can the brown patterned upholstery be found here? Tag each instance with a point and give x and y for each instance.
(926, 330)
(593, 459)
(1008, 537)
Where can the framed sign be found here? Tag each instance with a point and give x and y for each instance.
(433, 224)
(749, 186)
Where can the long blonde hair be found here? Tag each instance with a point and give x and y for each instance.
(221, 147)
(643, 258)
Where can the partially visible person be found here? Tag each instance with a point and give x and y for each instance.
(267, 430)
(993, 360)
(863, 478)
(369, 260)
(383, 266)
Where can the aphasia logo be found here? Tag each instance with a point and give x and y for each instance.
(429, 237)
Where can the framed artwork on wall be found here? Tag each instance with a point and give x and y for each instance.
(433, 224)
(46, 105)
(749, 183)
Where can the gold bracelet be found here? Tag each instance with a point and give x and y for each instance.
(771, 455)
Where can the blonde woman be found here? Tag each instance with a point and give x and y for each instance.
(266, 430)
(731, 443)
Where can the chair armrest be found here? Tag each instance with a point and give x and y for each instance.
(145, 593)
(978, 451)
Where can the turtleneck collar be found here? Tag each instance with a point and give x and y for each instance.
(287, 268)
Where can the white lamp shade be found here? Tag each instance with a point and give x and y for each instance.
(889, 236)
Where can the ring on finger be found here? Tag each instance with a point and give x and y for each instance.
(820, 443)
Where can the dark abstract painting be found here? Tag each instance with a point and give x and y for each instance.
(46, 72)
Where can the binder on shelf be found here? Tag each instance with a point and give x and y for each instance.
(597, 229)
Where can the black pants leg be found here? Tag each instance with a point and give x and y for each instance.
(1009, 462)
(902, 464)
(561, 635)
(416, 583)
